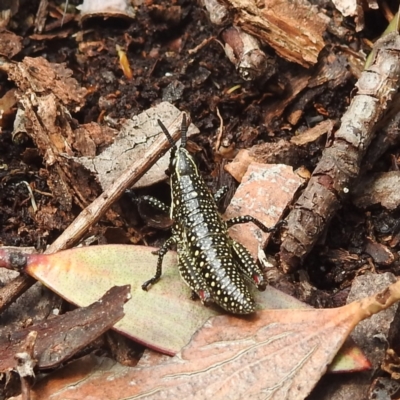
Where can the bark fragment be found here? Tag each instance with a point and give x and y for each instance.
(46, 91)
(135, 137)
(60, 337)
(243, 50)
(10, 43)
(339, 166)
(293, 29)
(380, 188)
(106, 9)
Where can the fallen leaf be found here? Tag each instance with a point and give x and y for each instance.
(164, 318)
(350, 358)
(264, 193)
(134, 139)
(274, 354)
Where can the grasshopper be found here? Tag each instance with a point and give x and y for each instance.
(212, 264)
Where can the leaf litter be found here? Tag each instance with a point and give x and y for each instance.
(274, 354)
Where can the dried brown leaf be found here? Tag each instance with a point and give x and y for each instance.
(275, 354)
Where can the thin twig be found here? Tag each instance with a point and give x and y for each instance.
(205, 42)
(31, 196)
(220, 131)
(10, 292)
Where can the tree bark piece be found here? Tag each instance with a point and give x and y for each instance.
(340, 164)
(59, 338)
(293, 29)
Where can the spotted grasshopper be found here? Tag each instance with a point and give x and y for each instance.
(213, 265)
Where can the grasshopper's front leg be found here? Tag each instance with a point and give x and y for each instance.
(157, 204)
(161, 253)
(154, 202)
(220, 193)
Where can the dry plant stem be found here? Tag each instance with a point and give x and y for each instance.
(220, 131)
(204, 43)
(380, 301)
(41, 16)
(340, 164)
(386, 137)
(14, 289)
(91, 214)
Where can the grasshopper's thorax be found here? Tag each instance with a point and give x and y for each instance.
(188, 189)
(202, 235)
(192, 202)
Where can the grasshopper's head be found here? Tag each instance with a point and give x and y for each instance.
(181, 161)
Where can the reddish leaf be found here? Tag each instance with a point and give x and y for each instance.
(274, 354)
(164, 318)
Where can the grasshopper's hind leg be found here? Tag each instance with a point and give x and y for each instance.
(247, 266)
(193, 278)
(244, 260)
(161, 253)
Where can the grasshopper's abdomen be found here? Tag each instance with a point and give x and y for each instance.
(226, 285)
(205, 242)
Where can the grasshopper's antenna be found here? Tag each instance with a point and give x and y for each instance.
(184, 129)
(167, 134)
